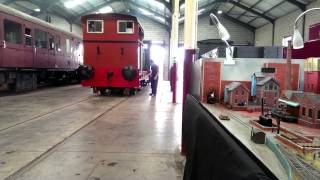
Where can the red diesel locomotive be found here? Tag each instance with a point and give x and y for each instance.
(112, 52)
(32, 50)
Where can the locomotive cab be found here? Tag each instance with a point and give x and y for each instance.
(112, 51)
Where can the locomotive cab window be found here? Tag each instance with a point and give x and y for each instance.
(12, 32)
(95, 26)
(125, 27)
(28, 36)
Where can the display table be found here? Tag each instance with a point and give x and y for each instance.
(241, 131)
(222, 149)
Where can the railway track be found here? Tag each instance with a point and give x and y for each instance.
(51, 150)
(44, 114)
(305, 170)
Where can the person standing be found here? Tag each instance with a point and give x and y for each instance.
(154, 78)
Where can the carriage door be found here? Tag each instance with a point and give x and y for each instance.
(14, 48)
(52, 52)
(41, 48)
(2, 45)
(28, 45)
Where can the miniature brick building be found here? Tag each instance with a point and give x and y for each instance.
(236, 94)
(268, 89)
(309, 107)
(312, 75)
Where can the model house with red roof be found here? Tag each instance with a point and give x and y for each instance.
(236, 94)
(267, 89)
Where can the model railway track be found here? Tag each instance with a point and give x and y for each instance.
(305, 170)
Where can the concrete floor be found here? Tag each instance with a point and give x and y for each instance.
(68, 133)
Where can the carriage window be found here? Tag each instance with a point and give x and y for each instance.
(12, 32)
(41, 39)
(68, 46)
(28, 36)
(95, 26)
(57, 46)
(125, 27)
(51, 43)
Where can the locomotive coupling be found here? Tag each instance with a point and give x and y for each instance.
(129, 73)
(85, 72)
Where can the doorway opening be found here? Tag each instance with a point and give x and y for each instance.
(157, 54)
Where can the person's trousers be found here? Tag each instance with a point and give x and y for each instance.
(154, 86)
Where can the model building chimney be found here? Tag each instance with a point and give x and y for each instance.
(288, 69)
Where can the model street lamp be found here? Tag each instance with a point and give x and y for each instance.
(224, 36)
(297, 39)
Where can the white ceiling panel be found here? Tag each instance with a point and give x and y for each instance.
(259, 22)
(283, 9)
(245, 18)
(237, 11)
(249, 3)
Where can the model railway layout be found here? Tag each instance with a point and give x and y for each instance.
(305, 170)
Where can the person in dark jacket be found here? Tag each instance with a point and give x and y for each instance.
(154, 76)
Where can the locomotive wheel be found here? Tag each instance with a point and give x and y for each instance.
(104, 92)
(133, 91)
(126, 91)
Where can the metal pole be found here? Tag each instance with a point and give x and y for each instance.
(190, 39)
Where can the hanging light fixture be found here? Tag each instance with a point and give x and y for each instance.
(224, 36)
(223, 33)
(297, 39)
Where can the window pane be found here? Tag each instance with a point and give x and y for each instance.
(122, 26)
(51, 42)
(28, 36)
(58, 48)
(12, 32)
(68, 46)
(125, 27)
(95, 26)
(41, 39)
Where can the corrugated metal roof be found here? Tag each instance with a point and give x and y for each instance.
(243, 11)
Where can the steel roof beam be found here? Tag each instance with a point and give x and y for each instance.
(298, 4)
(250, 7)
(270, 9)
(157, 14)
(138, 14)
(166, 4)
(106, 3)
(251, 10)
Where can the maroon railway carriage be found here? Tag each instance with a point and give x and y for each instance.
(112, 52)
(32, 50)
